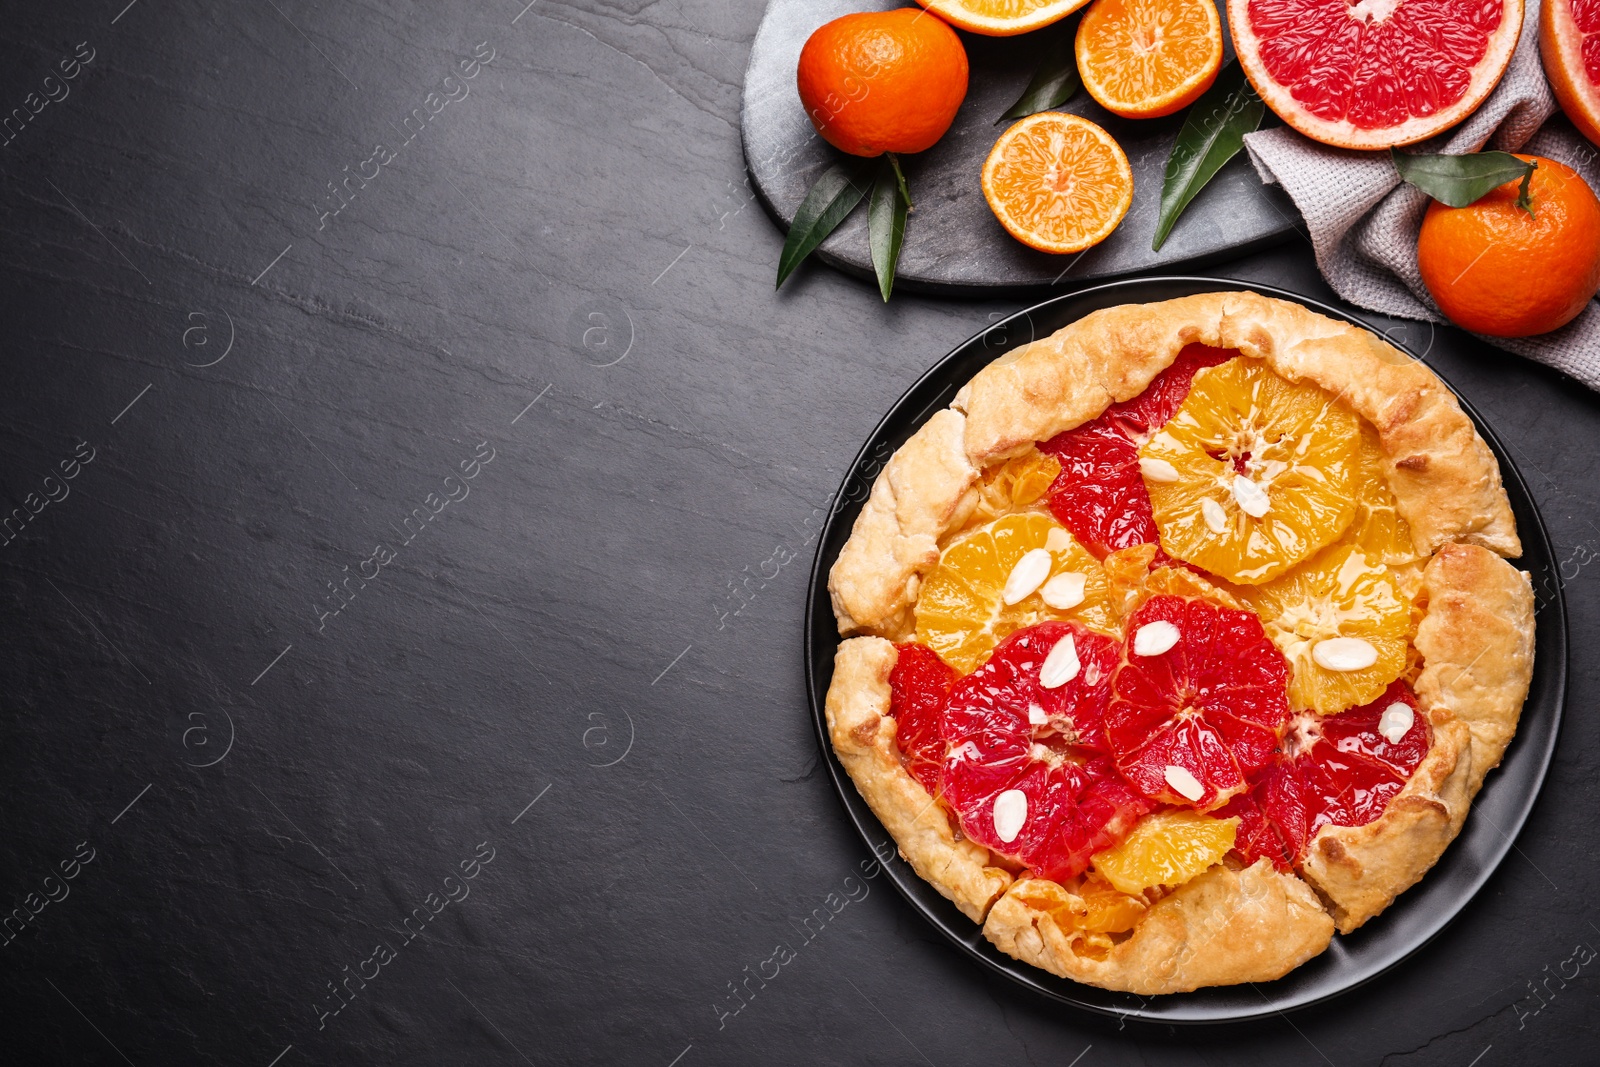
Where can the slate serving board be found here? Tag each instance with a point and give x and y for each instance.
(953, 242)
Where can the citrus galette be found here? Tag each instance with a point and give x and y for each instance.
(1182, 639)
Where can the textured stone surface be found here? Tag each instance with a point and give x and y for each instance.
(587, 193)
(953, 242)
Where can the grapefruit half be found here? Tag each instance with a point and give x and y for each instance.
(1374, 73)
(1569, 44)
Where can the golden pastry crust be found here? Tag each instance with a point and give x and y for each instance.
(1359, 870)
(926, 490)
(1445, 480)
(863, 736)
(1220, 928)
(1476, 642)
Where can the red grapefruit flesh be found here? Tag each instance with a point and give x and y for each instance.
(1569, 44)
(1190, 724)
(919, 686)
(1099, 494)
(1339, 771)
(1374, 73)
(1025, 768)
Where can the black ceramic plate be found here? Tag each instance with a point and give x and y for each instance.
(1418, 915)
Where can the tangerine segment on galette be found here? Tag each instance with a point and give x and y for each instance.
(1182, 639)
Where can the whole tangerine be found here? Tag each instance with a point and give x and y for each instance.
(883, 81)
(1497, 270)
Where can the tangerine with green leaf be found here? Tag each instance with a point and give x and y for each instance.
(1498, 268)
(883, 81)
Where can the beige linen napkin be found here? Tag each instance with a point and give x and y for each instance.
(1363, 221)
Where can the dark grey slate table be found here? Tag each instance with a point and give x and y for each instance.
(401, 651)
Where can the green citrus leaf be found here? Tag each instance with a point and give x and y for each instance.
(1055, 80)
(900, 176)
(1457, 181)
(832, 197)
(886, 222)
(1213, 132)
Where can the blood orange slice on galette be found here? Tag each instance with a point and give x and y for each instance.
(1181, 640)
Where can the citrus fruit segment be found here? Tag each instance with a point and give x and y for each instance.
(1258, 473)
(1378, 529)
(1144, 58)
(1343, 624)
(1374, 73)
(1002, 576)
(1496, 269)
(1136, 574)
(1018, 483)
(1341, 770)
(1569, 44)
(882, 81)
(1024, 767)
(1166, 848)
(1100, 494)
(919, 686)
(1057, 182)
(1198, 701)
(1002, 18)
(1089, 912)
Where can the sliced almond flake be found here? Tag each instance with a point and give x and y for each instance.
(1057, 540)
(1010, 812)
(1064, 591)
(1216, 518)
(1396, 721)
(1252, 499)
(1183, 783)
(1061, 665)
(1344, 654)
(1028, 574)
(1157, 470)
(1036, 715)
(1155, 638)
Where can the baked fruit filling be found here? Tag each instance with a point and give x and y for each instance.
(1174, 638)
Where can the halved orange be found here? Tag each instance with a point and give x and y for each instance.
(1145, 58)
(1058, 182)
(1001, 18)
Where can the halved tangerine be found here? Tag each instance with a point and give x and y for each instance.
(1002, 18)
(1374, 73)
(919, 686)
(1253, 474)
(1057, 182)
(1145, 58)
(1100, 494)
(1341, 770)
(1166, 848)
(963, 609)
(1024, 767)
(1198, 702)
(1343, 623)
